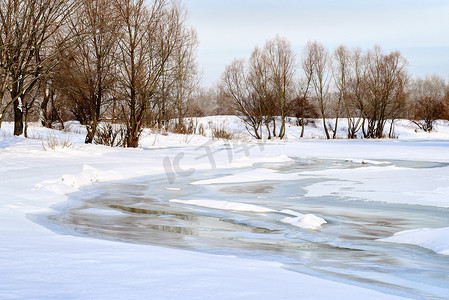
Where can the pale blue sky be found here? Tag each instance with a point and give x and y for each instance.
(230, 29)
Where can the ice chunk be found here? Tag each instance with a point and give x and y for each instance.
(308, 221)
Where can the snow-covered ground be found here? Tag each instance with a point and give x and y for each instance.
(37, 263)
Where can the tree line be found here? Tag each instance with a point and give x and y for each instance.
(366, 88)
(129, 61)
(133, 62)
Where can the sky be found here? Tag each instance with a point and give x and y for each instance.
(229, 29)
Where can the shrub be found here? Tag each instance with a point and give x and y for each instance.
(109, 135)
(189, 126)
(53, 142)
(221, 132)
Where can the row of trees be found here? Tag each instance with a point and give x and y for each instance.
(134, 62)
(367, 88)
(127, 60)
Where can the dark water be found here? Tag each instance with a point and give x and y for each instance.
(345, 249)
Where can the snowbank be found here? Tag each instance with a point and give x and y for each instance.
(38, 263)
(435, 239)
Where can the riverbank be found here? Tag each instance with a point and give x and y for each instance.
(37, 263)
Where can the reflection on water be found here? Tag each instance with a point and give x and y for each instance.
(345, 249)
(248, 189)
(157, 213)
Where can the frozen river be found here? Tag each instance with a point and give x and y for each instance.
(345, 249)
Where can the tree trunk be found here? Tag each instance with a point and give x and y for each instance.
(363, 128)
(91, 130)
(390, 134)
(25, 130)
(267, 124)
(282, 129)
(302, 117)
(132, 139)
(325, 128)
(335, 129)
(43, 116)
(18, 117)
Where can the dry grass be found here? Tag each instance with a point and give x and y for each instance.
(53, 142)
(189, 126)
(221, 132)
(73, 128)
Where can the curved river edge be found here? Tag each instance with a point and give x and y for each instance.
(345, 249)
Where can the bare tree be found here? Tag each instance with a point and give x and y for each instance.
(281, 62)
(261, 88)
(185, 77)
(320, 79)
(4, 83)
(386, 80)
(341, 74)
(264, 89)
(134, 45)
(355, 97)
(234, 85)
(29, 47)
(428, 95)
(302, 109)
(145, 48)
(209, 102)
(52, 106)
(89, 64)
(305, 83)
(179, 43)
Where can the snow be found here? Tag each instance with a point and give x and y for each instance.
(308, 221)
(390, 184)
(104, 212)
(434, 239)
(20, 105)
(87, 176)
(257, 175)
(38, 263)
(225, 205)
